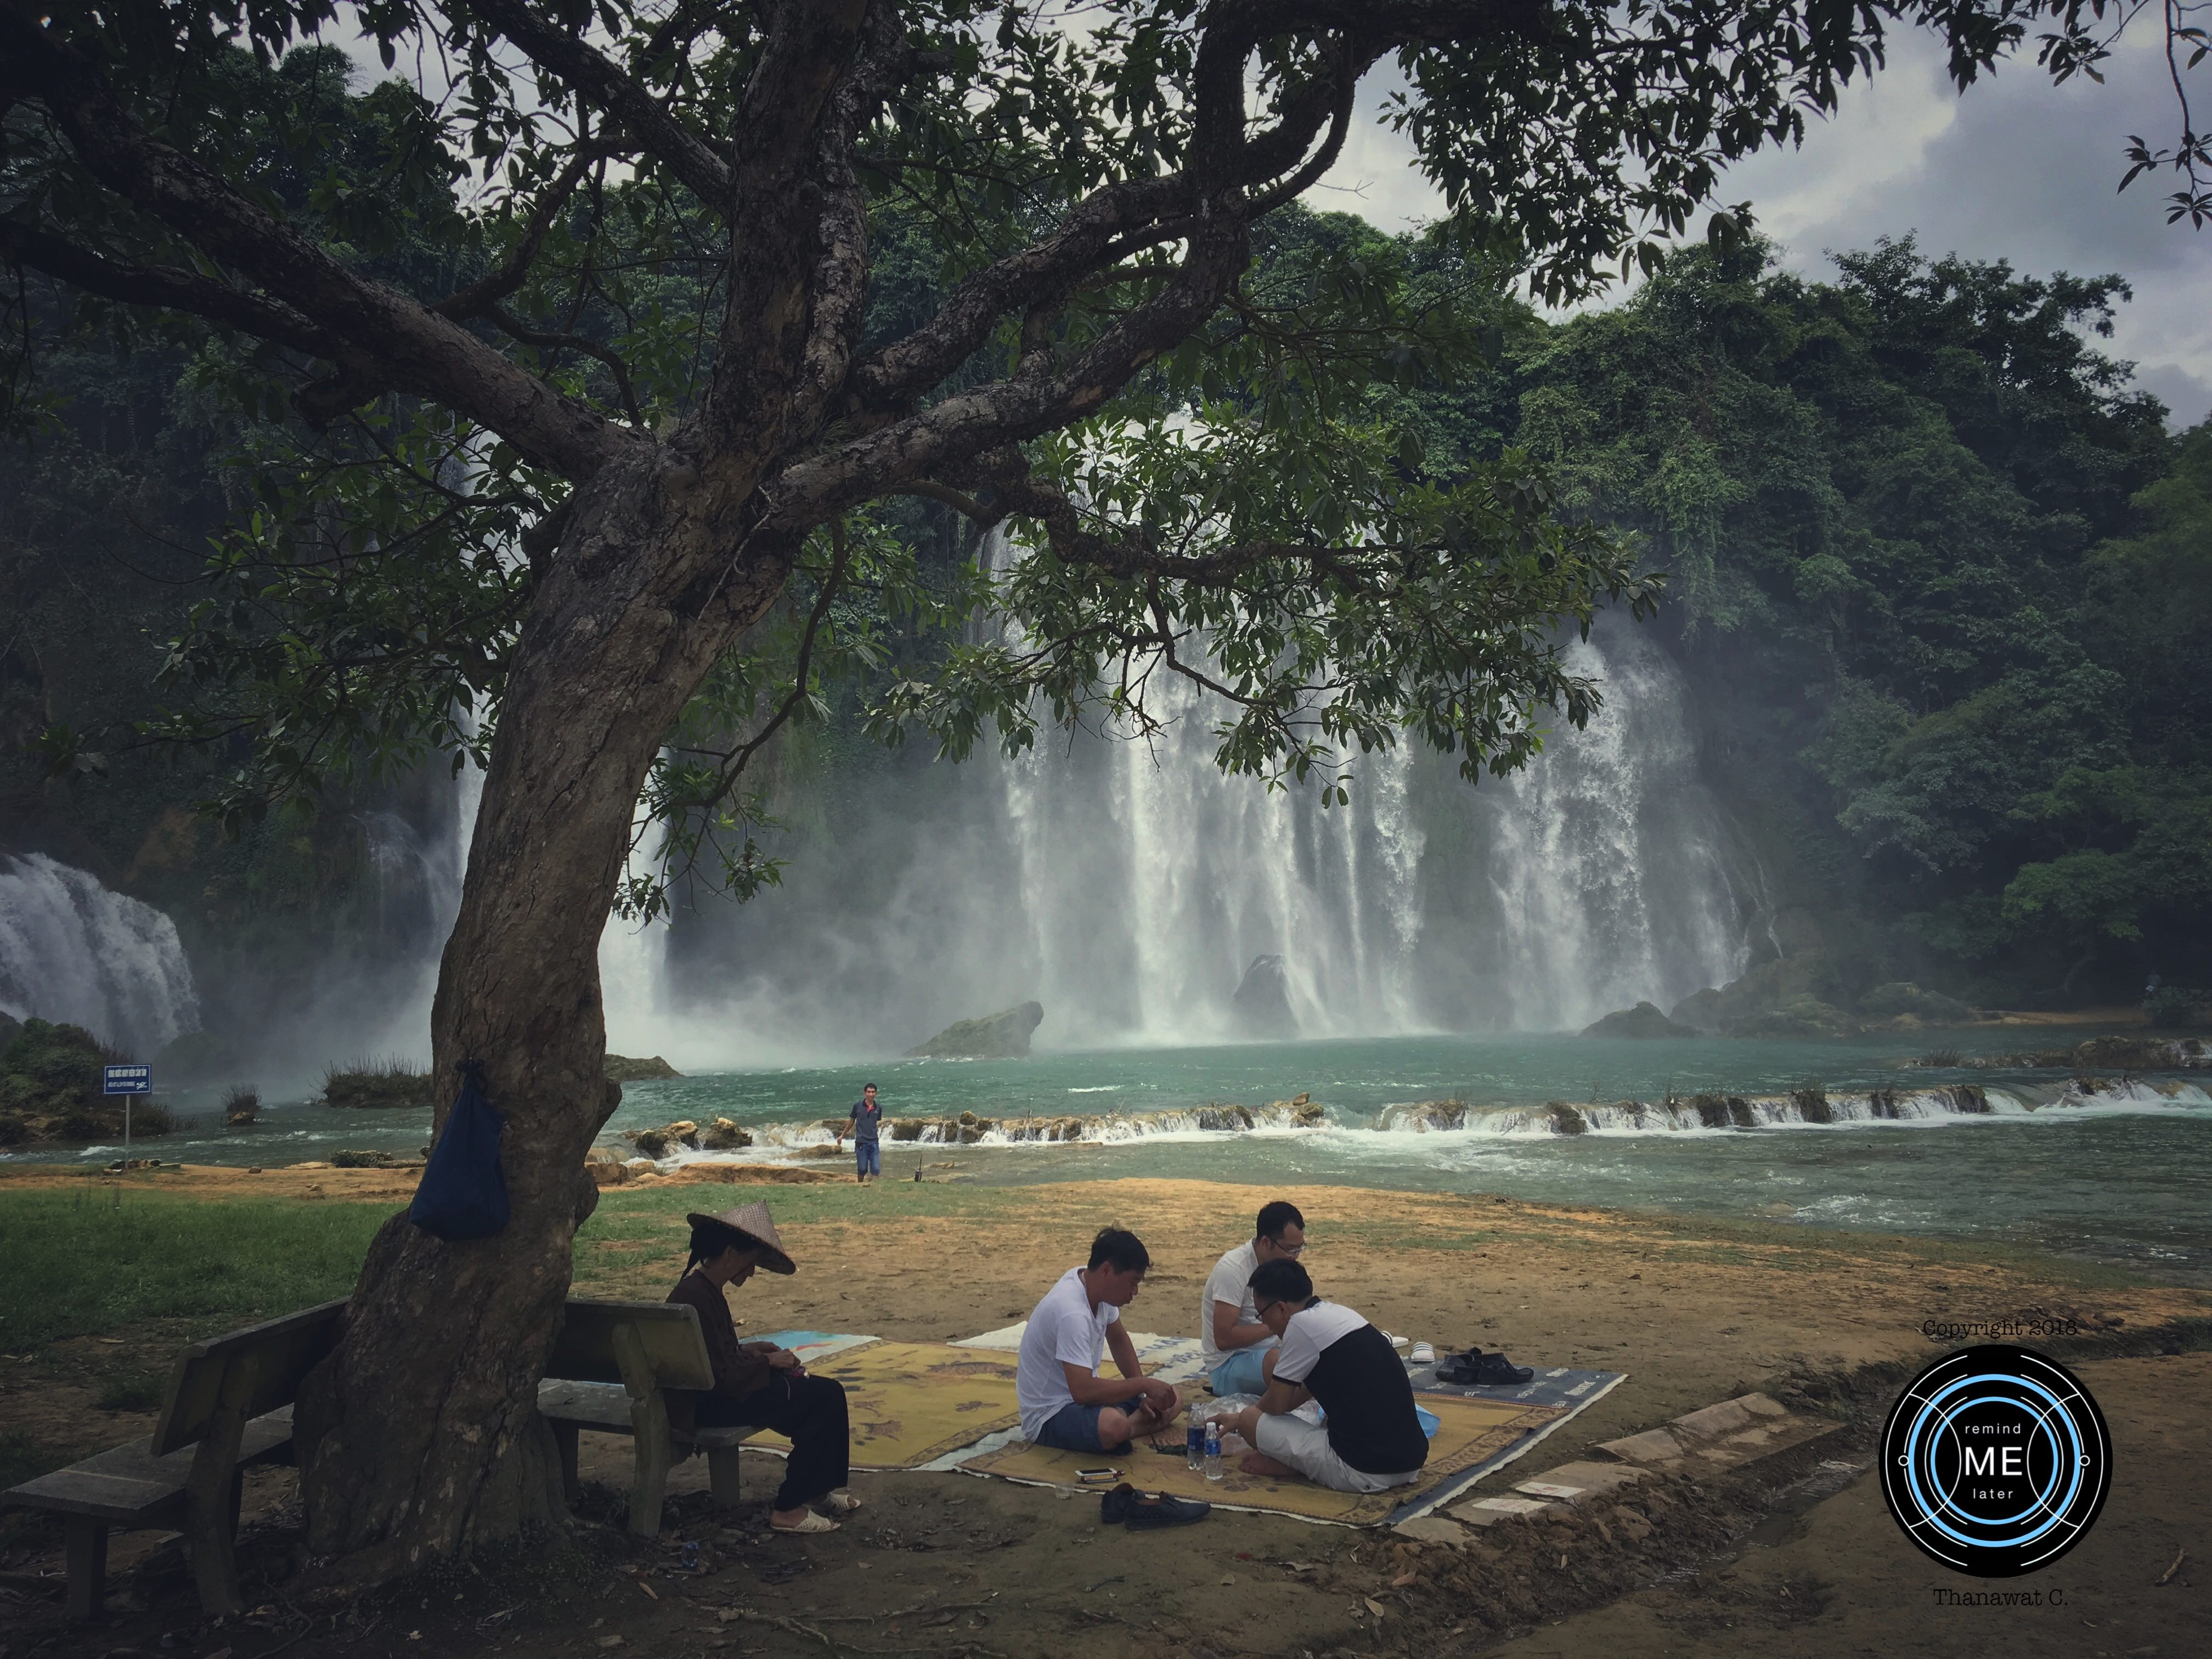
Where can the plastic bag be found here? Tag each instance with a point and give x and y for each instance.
(464, 1191)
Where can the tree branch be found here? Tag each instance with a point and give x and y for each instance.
(640, 112)
(399, 341)
(471, 301)
(163, 286)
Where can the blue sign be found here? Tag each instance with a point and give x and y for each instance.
(127, 1080)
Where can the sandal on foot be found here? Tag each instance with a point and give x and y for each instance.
(813, 1522)
(841, 1502)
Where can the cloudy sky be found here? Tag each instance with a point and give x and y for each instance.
(2014, 169)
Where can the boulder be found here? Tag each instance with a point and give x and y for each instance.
(1902, 999)
(604, 1166)
(1765, 988)
(657, 1143)
(1643, 1020)
(623, 1069)
(723, 1136)
(1003, 1036)
(1262, 1006)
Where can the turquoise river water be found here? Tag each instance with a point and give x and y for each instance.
(2122, 1174)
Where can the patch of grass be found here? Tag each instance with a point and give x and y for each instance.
(24, 1456)
(132, 1391)
(80, 1265)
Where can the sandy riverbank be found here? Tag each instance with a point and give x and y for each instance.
(1693, 1310)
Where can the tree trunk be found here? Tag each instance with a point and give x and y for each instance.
(420, 1435)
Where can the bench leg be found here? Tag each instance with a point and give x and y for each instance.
(722, 1476)
(565, 1436)
(649, 1484)
(86, 1550)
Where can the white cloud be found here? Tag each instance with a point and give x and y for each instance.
(2014, 168)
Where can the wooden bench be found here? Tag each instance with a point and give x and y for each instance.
(229, 1405)
(609, 1370)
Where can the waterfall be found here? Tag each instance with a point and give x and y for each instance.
(74, 952)
(1612, 868)
(1128, 885)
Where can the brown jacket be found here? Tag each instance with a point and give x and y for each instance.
(740, 1367)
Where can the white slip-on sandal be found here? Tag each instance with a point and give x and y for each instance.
(1424, 1354)
(813, 1522)
(841, 1502)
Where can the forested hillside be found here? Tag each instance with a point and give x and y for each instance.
(1940, 577)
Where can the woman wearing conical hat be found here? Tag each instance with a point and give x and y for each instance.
(757, 1384)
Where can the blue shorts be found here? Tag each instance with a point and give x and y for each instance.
(1075, 1428)
(1241, 1373)
(869, 1157)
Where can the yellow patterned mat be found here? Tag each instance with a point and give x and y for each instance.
(1472, 1432)
(913, 1401)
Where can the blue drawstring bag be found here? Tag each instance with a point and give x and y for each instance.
(462, 1194)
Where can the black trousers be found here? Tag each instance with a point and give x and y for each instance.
(809, 1411)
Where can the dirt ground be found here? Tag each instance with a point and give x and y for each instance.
(1693, 1310)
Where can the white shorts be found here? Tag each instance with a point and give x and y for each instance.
(1305, 1446)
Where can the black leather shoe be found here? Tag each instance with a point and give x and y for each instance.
(1495, 1370)
(1114, 1506)
(1144, 1512)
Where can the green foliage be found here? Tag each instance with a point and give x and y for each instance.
(1931, 560)
(50, 1070)
(79, 1264)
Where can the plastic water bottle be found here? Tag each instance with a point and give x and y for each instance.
(1214, 1450)
(1194, 1446)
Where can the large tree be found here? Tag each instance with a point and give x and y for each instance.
(601, 281)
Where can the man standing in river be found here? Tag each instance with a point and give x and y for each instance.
(865, 1116)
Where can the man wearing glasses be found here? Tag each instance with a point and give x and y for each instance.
(1236, 1345)
(1373, 1439)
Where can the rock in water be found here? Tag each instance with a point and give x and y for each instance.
(1261, 1006)
(1643, 1020)
(1003, 1036)
(622, 1068)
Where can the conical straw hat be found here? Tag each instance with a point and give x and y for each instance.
(755, 1230)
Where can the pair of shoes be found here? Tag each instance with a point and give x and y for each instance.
(1479, 1370)
(1145, 1511)
(812, 1523)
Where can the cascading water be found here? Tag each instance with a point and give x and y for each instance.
(73, 951)
(1128, 885)
(1612, 870)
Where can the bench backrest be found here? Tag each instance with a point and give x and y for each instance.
(664, 1335)
(264, 1363)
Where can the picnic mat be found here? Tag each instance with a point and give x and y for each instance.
(914, 1401)
(1557, 1386)
(1476, 1436)
(1170, 1358)
(811, 1347)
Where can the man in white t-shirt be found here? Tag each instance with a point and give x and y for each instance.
(1236, 1345)
(1373, 1438)
(1064, 1403)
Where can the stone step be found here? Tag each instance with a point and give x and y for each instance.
(1571, 1482)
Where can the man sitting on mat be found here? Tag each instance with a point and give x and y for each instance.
(757, 1383)
(1064, 1403)
(1372, 1440)
(1236, 1345)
